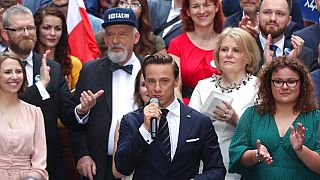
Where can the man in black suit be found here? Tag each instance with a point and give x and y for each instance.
(115, 74)
(47, 85)
(162, 12)
(274, 18)
(185, 136)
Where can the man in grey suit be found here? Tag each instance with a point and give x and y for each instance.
(163, 12)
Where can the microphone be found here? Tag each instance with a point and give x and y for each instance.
(153, 120)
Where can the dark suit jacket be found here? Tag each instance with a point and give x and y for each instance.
(59, 104)
(92, 138)
(149, 161)
(230, 7)
(311, 37)
(306, 55)
(234, 19)
(159, 10)
(315, 75)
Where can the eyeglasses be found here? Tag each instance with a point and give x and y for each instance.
(291, 83)
(132, 5)
(21, 30)
(205, 6)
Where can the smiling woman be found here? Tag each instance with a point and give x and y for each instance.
(202, 21)
(22, 137)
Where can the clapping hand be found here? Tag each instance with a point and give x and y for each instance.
(263, 153)
(247, 25)
(297, 43)
(297, 137)
(45, 69)
(267, 54)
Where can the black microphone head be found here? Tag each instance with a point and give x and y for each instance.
(155, 101)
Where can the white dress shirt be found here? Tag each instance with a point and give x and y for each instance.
(122, 96)
(279, 44)
(173, 118)
(174, 12)
(29, 71)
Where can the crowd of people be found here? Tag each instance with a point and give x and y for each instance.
(183, 89)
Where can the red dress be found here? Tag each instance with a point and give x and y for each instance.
(195, 63)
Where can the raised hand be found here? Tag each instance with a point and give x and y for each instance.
(45, 69)
(297, 137)
(267, 54)
(297, 43)
(88, 100)
(263, 153)
(249, 26)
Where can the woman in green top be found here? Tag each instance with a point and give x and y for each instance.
(280, 136)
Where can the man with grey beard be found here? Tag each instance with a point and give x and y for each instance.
(115, 74)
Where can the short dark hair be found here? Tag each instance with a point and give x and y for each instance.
(306, 100)
(160, 59)
(6, 55)
(289, 2)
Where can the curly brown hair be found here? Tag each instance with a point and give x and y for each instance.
(62, 49)
(145, 46)
(187, 22)
(306, 100)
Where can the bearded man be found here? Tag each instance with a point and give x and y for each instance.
(115, 74)
(47, 85)
(274, 18)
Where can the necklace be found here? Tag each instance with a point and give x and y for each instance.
(233, 86)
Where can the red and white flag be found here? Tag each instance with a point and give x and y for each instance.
(81, 36)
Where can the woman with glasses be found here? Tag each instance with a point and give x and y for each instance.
(237, 58)
(193, 50)
(149, 43)
(278, 138)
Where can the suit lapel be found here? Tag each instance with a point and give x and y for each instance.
(186, 124)
(36, 58)
(106, 79)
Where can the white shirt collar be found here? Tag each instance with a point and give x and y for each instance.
(279, 44)
(174, 107)
(29, 58)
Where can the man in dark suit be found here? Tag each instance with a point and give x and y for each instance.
(248, 15)
(115, 74)
(47, 85)
(311, 34)
(231, 7)
(185, 136)
(163, 11)
(274, 19)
